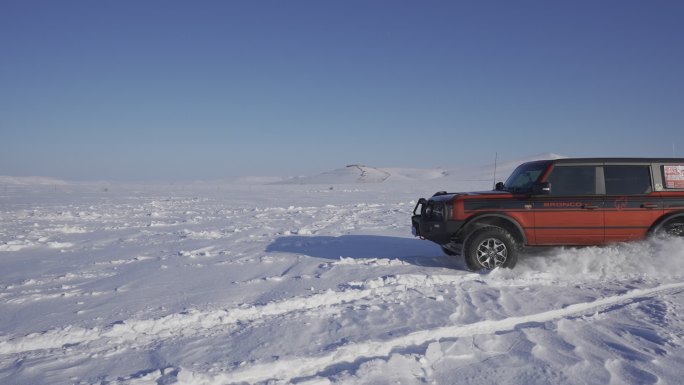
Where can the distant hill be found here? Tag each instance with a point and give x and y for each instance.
(31, 181)
(351, 174)
(357, 173)
(354, 173)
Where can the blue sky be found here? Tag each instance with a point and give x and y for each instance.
(184, 90)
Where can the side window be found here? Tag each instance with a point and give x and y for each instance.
(524, 180)
(573, 180)
(627, 180)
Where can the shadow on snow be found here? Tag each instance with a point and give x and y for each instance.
(413, 251)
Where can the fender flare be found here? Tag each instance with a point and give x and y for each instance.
(472, 222)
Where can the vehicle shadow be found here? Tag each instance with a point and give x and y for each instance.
(359, 247)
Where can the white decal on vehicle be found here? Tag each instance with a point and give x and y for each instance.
(674, 176)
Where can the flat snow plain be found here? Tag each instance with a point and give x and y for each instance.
(304, 284)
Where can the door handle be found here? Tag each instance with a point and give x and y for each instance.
(650, 206)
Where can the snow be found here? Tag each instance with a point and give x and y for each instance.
(300, 283)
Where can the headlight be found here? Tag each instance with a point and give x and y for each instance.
(435, 211)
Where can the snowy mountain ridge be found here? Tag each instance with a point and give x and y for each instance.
(31, 180)
(356, 173)
(350, 174)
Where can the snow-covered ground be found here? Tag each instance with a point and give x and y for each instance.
(312, 284)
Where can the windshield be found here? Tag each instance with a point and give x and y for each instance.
(523, 177)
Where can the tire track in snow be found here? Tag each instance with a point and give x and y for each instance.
(193, 323)
(289, 369)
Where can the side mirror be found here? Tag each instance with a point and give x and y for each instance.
(543, 188)
(499, 186)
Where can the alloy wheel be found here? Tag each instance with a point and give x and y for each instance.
(491, 253)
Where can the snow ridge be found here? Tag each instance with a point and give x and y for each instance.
(289, 369)
(194, 322)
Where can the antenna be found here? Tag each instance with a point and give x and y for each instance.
(496, 158)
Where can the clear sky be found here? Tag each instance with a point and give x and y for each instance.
(184, 90)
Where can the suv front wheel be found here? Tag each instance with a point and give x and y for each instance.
(490, 247)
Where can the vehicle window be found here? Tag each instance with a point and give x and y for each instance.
(627, 180)
(573, 180)
(523, 177)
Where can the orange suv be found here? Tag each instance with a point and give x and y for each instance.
(557, 202)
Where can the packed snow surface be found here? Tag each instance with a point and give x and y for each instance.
(303, 284)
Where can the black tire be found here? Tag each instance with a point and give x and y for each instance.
(673, 228)
(490, 247)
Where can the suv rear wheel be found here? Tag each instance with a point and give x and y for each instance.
(674, 228)
(490, 247)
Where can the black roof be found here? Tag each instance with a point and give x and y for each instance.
(618, 160)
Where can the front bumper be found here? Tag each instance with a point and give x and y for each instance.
(441, 232)
(431, 219)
